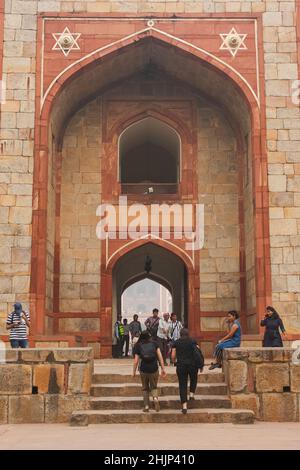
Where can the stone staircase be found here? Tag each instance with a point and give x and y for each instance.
(117, 398)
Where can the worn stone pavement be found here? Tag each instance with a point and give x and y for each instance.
(151, 436)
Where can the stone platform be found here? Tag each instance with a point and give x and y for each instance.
(264, 380)
(44, 385)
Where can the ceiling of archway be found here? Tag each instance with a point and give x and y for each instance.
(167, 268)
(95, 79)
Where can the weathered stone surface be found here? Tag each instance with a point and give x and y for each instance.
(15, 379)
(246, 402)
(26, 409)
(37, 355)
(295, 378)
(237, 376)
(96, 349)
(58, 408)
(255, 356)
(280, 355)
(80, 376)
(236, 353)
(73, 354)
(49, 378)
(70, 325)
(272, 377)
(279, 407)
(3, 409)
(79, 419)
(11, 355)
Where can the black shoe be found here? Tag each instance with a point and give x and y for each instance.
(184, 411)
(192, 398)
(214, 366)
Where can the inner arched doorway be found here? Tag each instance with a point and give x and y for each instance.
(151, 261)
(139, 298)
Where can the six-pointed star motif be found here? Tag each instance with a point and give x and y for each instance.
(233, 41)
(66, 41)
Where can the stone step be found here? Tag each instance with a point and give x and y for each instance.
(166, 402)
(133, 390)
(206, 415)
(207, 377)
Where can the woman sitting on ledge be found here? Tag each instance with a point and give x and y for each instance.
(273, 324)
(231, 340)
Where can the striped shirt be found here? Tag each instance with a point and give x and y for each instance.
(20, 331)
(175, 328)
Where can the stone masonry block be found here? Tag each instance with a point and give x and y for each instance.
(79, 378)
(272, 377)
(3, 410)
(26, 409)
(237, 376)
(279, 407)
(37, 355)
(49, 378)
(15, 379)
(295, 378)
(73, 354)
(58, 408)
(246, 401)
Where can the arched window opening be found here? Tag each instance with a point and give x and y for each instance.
(149, 158)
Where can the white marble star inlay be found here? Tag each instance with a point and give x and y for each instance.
(233, 42)
(66, 41)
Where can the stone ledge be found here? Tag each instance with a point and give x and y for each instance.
(256, 354)
(49, 355)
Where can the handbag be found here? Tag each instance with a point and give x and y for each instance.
(198, 357)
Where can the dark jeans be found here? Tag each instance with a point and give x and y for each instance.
(19, 343)
(183, 373)
(163, 346)
(125, 340)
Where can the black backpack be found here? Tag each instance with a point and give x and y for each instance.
(148, 352)
(198, 357)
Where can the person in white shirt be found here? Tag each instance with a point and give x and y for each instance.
(163, 335)
(175, 327)
(174, 331)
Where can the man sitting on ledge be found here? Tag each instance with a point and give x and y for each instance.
(231, 340)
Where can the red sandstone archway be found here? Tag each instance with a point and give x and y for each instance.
(190, 281)
(260, 189)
